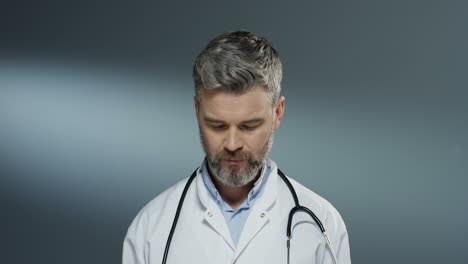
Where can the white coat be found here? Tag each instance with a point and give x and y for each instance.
(202, 235)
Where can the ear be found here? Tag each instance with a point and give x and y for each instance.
(197, 106)
(279, 111)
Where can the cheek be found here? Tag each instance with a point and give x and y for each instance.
(258, 140)
(212, 140)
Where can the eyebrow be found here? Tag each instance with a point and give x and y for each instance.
(250, 121)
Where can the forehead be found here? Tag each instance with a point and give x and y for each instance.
(219, 104)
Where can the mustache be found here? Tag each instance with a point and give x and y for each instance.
(232, 155)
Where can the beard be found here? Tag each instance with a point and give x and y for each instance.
(236, 176)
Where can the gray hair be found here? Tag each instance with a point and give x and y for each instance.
(236, 62)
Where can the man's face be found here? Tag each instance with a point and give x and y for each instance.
(236, 132)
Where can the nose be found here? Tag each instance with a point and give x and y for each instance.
(232, 141)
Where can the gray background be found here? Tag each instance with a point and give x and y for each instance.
(96, 118)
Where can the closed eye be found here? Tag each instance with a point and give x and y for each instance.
(219, 126)
(250, 127)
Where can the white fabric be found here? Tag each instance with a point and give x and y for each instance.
(202, 236)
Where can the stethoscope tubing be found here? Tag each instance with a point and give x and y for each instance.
(295, 209)
(298, 208)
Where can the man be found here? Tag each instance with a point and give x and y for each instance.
(236, 208)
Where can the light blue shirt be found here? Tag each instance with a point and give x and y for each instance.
(235, 219)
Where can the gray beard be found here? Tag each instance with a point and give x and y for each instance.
(234, 176)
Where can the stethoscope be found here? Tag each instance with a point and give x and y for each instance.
(295, 209)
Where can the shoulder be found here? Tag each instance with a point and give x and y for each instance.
(330, 218)
(152, 220)
(151, 213)
(307, 196)
(169, 195)
(326, 212)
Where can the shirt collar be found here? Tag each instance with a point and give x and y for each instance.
(258, 184)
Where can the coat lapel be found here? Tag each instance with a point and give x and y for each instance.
(212, 214)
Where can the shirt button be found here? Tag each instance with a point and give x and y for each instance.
(210, 214)
(262, 215)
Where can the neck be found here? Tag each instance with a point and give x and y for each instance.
(233, 195)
